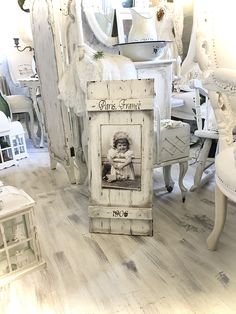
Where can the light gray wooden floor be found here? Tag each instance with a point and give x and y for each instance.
(171, 272)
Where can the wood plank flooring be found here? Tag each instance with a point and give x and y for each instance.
(171, 272)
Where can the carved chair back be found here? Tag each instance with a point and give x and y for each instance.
(216, 56)
(216, 48)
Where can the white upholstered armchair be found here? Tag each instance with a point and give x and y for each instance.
(216, 48)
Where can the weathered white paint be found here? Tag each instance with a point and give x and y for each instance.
(125, 198)
(120, 212)
(50, 66)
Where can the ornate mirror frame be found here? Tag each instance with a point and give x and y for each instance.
(95, 27)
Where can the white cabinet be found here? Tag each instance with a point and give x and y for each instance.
(161, 71)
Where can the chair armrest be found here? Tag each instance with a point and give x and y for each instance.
(197, 84)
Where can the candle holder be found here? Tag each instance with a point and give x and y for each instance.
(17, 45)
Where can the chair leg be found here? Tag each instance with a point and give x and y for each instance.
(27, 118)
(169, 183)
(220, 216)
(32, 135)
(53, 163)
(183, 167)
(70, 169)
(201, 162)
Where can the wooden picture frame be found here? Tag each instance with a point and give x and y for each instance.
(121, 113)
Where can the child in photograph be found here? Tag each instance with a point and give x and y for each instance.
(120, 158)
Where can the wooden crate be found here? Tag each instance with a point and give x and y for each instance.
(121, 113)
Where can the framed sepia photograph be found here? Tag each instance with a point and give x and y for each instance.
(121, 147)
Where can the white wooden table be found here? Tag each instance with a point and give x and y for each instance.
(33, 86)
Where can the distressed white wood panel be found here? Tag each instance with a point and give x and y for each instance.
(121, 226)
(111, 196)
(56, 114)
(120, 89)
(65, 30)
(120, 208)
(120, 212)
(119, 104)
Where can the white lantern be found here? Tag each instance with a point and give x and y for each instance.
(6, 153)
(19, 246)
(18, 140)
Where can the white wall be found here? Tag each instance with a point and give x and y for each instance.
(14, 23)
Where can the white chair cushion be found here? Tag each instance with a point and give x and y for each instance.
(19, 103)
(186, 110)
(226, 172)
(176, 102)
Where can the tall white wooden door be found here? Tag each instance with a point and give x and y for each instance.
(57, 116)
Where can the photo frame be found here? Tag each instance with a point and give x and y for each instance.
(120, 173)
(129, 177)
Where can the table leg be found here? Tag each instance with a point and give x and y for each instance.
(38, 114)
